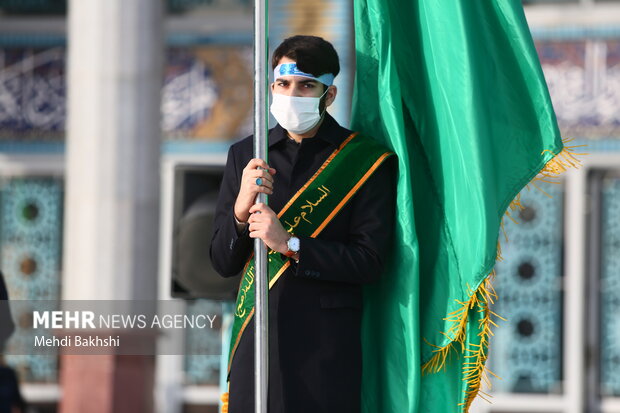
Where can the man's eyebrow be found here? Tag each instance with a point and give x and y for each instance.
(303, 82)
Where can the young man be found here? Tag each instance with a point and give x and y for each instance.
(328, 223)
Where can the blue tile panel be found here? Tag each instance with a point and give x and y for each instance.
(526, 351)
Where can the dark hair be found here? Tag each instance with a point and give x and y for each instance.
(313, 55)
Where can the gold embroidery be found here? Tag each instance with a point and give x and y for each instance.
(243, 291)
(297, 219)
(316, 174)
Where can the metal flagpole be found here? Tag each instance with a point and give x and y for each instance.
(261, 344)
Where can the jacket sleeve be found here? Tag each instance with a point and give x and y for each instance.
(6, 322)
(229, 250)
(370, 237)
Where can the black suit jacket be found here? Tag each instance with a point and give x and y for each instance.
(6, 322)
(315, 307)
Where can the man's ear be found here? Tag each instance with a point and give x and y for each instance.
(330, 96)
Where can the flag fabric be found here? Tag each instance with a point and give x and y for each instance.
(456, 90)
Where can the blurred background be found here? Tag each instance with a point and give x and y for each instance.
(115, 120)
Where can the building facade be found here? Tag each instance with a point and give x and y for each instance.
(559, 284)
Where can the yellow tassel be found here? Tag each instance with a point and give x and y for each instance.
(563, 161)
(560, 163)
(499, 256)
(224, 399)
(516, 204)
(474, 370)
(456, 334)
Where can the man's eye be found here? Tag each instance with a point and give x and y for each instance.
(308, 85)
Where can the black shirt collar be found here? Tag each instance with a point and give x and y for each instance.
(329, 131)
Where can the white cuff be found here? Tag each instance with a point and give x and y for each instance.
(240, 225)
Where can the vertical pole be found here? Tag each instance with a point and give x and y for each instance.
(591, 379)
(261, 345)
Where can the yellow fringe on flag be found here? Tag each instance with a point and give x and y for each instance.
(474, 369)
(224, 399)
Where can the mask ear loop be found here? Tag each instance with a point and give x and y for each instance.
(325, 108)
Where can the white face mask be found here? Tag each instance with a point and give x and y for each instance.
(296, 114)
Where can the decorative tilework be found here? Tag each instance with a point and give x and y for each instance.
(207, 93)
(610, 289)
(32, 93)
(584, 82)
(526, 351)
(203, 347)
(30, 250)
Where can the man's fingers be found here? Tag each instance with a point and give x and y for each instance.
(256, 234)
(251, 182)
(255, 217)
(261, 207)
(257, 207)
(270, 170)
(257, 163)
(265, 177)
(261, 173)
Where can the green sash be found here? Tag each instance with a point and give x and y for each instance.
(309, 211)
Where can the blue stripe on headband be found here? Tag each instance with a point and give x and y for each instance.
(290, 69)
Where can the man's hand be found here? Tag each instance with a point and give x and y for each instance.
(256, 168)
(264, 224)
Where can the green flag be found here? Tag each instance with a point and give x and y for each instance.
(455, 88)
